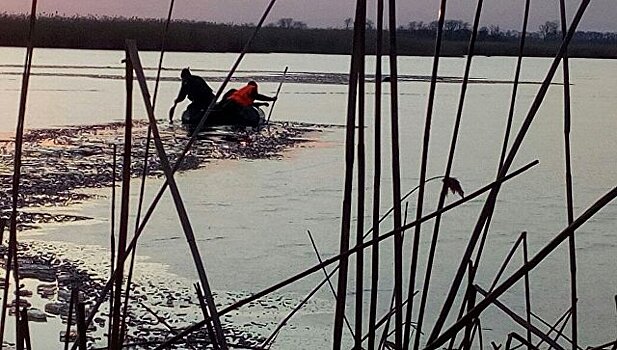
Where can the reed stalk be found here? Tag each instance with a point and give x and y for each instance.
(515, 85)
(25, 329)
(385, 319)
(563, 326)
(204, 310)
(471, 302)
(327, 276)
(509, 122)
(361, 188)
(180, 208)
(492, 197)
(19, 134)
(396, 176)
(444, 189)
(144, 172)
(69, 321)
(604, 346)
(520, 273)
(82, 328)
(5, 294)
(2, 227)
(182, 156)
(521, 321)
(506, 261)
(354, 75)
(520, 338)
(423, 166)
(323, 282)
(116, 336)
(376, 178)
(337, 258)
(392, 309)
(567, 117)
(527, 286)
(480, 337)
(112, 239)
(553, 328)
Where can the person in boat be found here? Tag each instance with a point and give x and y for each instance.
(198, 92)
(246, 96)
(239, 104)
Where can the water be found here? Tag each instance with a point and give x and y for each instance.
(251, 217)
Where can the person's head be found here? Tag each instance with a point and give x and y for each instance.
(186, 72)
(252, 83)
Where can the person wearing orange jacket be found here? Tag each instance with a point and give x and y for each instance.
(238, 104)
(246, 96)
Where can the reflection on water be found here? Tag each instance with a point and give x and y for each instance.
(251, 217)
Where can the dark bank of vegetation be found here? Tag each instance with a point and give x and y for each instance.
(287, 35)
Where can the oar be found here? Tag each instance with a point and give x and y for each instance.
(278, 91)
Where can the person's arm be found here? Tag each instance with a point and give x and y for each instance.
(182, 94)
(172, 110)
(261, 97)
(180, 98)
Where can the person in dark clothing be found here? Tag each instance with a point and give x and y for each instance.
(198, 92)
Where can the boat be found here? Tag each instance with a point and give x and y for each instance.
(244, 116)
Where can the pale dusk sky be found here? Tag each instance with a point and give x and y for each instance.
(600, 15)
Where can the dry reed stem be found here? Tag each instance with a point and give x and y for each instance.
(112, 240)
(396, 175)
(361, 188)
(423, 168)
(69, 321)
(178, 163)
(521, 321)
(376, 178)
(455, 186)
(327, 277)
(350, 252)
(147, 154)
(568, 174)
(180, 208)
(116, 335)
(82, 329)
(341, 289)
(19, 134)
(553, 328)
(520, 273)
(518, 337)
(488, 208)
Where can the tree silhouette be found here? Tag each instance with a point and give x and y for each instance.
(548, 30)
(285, 22)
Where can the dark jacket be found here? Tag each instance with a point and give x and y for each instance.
(196, 89)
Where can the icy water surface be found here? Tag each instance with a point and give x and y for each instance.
(251, 217)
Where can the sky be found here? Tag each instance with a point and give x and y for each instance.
(600, 15)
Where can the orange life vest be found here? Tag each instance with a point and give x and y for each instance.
(245, 96)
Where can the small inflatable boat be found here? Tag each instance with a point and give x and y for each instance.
(243, 116)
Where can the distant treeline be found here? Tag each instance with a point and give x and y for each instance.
(287, 35)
